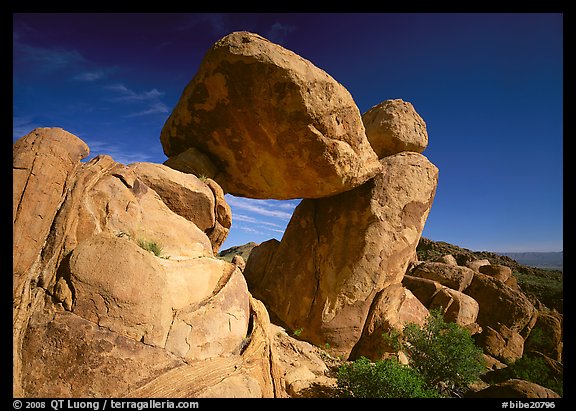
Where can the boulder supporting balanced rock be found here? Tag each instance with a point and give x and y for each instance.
(265, 123)
(337, 253)
(394, 126)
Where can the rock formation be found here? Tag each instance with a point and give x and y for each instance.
(339, 252)
(116, 288)
(394, 126)
(265, 123)
(97, 303)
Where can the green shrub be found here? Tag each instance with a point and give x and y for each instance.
(382, 379)
(443, 353)
(151, 246)
(536, 370)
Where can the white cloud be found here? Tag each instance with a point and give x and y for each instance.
(127, 94)
(278, 33)
(118, 152)
(260, 207)
(46, 59)
(90, 76)
(156, 108)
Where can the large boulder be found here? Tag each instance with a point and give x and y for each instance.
(455, 277)
(265, 123)
(337, 253)
(455, 306)
(392, 309)
(124, 274)
(394, 126)
(502, 343)
(515, 388)
(500, 304)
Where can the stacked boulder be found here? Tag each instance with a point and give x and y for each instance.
(265, 123)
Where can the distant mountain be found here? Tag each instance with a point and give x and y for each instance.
(242, 250)
(545, 284)
(548, 260)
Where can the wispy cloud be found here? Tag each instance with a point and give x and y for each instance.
(119, 152)
(156, 108)
(216, 24)
(46, 59)
(278, 33)
(90, 76)
(126, 94)
(260, 207)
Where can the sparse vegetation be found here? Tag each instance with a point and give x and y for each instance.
(298, 332)
(535, 369)
(153, 247)
(382, 379)
(444, 353)
(442, 359)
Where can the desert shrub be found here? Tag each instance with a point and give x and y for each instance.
(151, 246)
(536, 370)
(444, 353)
(382, 379)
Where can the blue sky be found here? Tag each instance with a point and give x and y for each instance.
(489, 86)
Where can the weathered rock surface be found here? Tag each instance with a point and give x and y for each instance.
(502, 343)
(515, 388)
(337, 253)
(265, 123)
(392, 309)
(456, 277)
(498, 271)
(96, 304)
(500, 304)
(456, 306)
(547, 335)
(394, 126)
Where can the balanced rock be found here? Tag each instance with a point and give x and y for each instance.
(266, 123)
(394, 126)
(337, 253)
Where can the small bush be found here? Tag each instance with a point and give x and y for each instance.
(536, 370)
(382, 379)
(444, 353)
(151, 246)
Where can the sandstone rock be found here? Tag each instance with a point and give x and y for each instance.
(394, 126)
(492, 363)
(271, 123)
(93, 262)
(304, 368)
(338, 253)
(515, 388)
(476, 264)
(423, 288)
(448, 259)
(498, 271)
(392, 309)
(73, 357)
(547, 335)
(239, 262)
(254, 372)
(219, 232)
(43, 163)
(503, 343)
(457, 278)
(500, 304)
(201, 202)
(456, 307)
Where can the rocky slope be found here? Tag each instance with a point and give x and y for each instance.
(117, 288)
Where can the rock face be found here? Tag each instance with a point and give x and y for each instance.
(515, 388)
(265, 123)
(394, 126)
(113, 302)
(338, 253)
